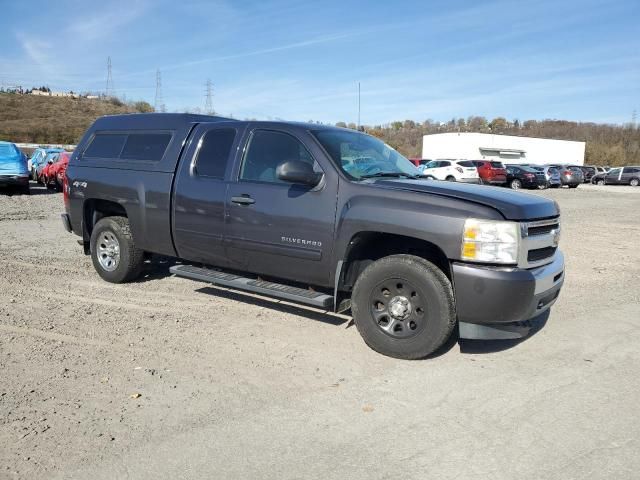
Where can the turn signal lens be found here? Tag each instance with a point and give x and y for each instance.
(490, 241)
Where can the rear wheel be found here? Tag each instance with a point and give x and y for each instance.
(634, 182)
(113, 252)
(450, 178)
(600, 182)
(403, 307)
(515, 184)
(573, 186)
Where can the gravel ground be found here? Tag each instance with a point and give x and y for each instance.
(169, 378)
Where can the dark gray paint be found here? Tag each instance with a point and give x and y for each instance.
(200, 222)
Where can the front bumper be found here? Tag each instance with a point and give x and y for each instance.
(21, 180)
(495, 295)
(469, 180)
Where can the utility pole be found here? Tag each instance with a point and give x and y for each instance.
(110, 90)
(358, 105)
(158, 105)
(634, 115)
(208, 104)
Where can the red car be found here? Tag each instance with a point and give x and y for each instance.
(53, 173)
(419, 161)
(492, 173)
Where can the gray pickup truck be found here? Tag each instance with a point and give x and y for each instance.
(323, 216)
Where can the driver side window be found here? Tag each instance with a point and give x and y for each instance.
(267, 149)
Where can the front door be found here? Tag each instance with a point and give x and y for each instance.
(613, 176)
(199, 204)
(277, 228)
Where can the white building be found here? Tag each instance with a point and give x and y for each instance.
(503, 148)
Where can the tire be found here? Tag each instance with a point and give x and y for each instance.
(600, 182)
(25, 190)
(428, 320)
(111, 240)
(430, 177)
(450, 178)
(573, 186)
(515, 184)
(634, 182)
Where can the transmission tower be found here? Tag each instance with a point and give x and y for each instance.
(208, 104)
(159, 103)
(110, 90)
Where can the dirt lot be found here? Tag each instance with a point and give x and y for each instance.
(168, 378)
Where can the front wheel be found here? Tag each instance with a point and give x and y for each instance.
(634, 182)
(403, 307)
(113, 252)
(450, 178)
(573, 186)
(515, 184)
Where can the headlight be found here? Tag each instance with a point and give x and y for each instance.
(490, 241)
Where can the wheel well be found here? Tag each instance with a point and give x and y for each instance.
(367, 247)
(94, 210)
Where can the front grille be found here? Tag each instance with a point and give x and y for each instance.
(542, 229)
(540, 254)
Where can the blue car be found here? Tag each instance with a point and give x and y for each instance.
(39, 158)
(13, 168)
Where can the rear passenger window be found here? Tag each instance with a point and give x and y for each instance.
(214, 151)
(105, 145)
(145, 146)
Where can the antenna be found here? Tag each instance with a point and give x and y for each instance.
(208, 104)
(110, 90)
(358, 105)
(158, 106)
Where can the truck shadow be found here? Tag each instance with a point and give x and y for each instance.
(158, 266)
(474, 347)
(276, 305)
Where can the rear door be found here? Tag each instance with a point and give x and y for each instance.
(277, 228)
(200, 190)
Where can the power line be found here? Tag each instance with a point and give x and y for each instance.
(159, 103)
(208, 104)
(110, 90)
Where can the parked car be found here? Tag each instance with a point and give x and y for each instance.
(273, 207)
(551, 174)
(588, 172)
(490, 172)
(619, 176)
(49, 157)
(38, 157)
(13, 168)
(53, 172)
(570, 175)
(519, 176)
(451, 170)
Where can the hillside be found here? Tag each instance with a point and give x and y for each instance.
(34, 119)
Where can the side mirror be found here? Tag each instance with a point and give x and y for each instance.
(294, 171)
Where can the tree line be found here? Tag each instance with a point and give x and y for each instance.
(606, 144)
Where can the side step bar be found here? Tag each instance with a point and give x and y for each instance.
(277, 290)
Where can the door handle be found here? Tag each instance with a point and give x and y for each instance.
(243, 200)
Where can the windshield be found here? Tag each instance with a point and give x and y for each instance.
(528, 169)
(363, 156)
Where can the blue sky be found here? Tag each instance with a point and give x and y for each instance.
(573, 59)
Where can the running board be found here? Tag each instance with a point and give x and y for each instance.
(277, 290)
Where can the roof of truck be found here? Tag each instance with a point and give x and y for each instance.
(171, 121)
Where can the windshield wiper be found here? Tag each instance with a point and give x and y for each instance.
(390, 175)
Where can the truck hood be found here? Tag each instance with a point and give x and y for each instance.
(512, 205)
